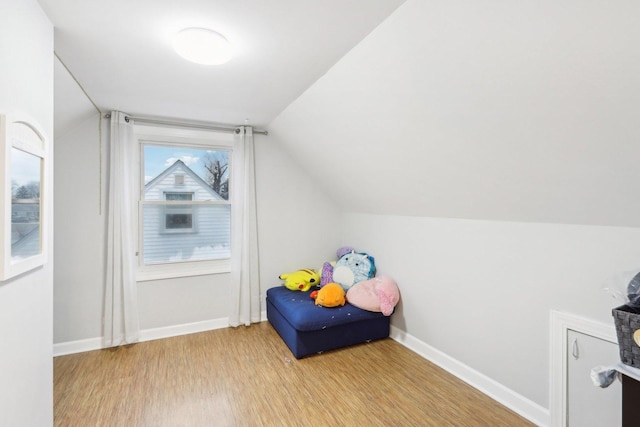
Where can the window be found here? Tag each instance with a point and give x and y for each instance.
(184, 209)
(178, 218)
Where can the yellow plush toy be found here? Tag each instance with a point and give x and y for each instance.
(300, 280)
(331, 295)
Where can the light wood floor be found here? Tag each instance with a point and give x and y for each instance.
(247, 377)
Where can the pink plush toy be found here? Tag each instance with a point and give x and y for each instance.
(377, 294)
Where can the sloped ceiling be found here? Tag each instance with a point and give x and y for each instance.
(121, 52)
(510, 111)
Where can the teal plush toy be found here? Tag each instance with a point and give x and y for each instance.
(352, 267)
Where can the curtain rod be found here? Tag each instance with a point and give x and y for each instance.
(195, 125)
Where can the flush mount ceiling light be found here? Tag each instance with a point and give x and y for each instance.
(202, 46)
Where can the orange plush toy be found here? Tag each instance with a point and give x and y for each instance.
(330, 295)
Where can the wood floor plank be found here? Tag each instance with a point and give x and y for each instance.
(246, 376)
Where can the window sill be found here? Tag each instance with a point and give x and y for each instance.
(185, 269)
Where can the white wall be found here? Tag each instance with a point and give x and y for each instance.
(26, 85)
(519, 117)
(298, 222)
(80, 228)
(482, 291)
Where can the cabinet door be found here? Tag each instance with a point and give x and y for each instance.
(589, 405)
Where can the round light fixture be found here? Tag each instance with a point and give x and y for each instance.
(202, 46)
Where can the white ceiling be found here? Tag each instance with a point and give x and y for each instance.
(120, 52)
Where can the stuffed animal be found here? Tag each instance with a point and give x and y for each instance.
(351, 268)
(326, 272)
(330, 295)
(379, 294)
(301, 280)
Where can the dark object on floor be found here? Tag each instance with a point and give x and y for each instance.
(307, 328)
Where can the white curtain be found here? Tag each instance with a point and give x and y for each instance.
(245, 282)
(120, 323)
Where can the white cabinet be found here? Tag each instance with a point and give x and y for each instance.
(589, 405)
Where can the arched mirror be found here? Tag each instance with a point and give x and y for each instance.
(22, 155)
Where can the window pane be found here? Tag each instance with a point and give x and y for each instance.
(185, 232)
(206, 238)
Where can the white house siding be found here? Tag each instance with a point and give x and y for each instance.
(208, 238)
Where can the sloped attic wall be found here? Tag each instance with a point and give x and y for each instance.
(518, 117)
(489, 110)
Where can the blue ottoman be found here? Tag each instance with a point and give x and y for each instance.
(307, 328)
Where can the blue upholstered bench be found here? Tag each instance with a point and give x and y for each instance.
(307, 328)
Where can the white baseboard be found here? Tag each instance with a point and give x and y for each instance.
(184, 329)
(507, 397)
(79, 346)
(71, 347)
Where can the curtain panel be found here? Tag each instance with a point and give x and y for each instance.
(245, 279)
(120, 321)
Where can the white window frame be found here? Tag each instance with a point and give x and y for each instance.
(172, 136)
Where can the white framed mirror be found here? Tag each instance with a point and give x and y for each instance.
(23, 158)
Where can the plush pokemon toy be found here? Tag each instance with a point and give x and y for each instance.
(301, 280)
(378, 294)
(351, 268)
(330, 295)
